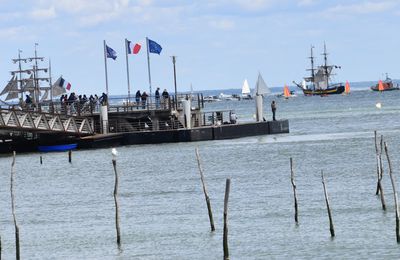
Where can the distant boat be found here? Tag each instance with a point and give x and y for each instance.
(319, 79)
(347, 88)
(386, 85)
(223, 96)
(246, 90)
(211, 99)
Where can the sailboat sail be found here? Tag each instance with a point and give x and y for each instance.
(261, 87)
(347, 88)
(245, 88)
(286, 92)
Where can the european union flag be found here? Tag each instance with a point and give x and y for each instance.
(111, 53)
(154, 47)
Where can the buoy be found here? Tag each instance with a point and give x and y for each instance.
(378, 105)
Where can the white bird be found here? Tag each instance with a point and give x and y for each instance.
(114, 152)
(378, 105)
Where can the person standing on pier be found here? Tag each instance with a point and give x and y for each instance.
(165, 96)
(157, 96)
(144, 99)
(138, 97)
(273, 108)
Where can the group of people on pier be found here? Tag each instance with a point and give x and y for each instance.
(141, 98)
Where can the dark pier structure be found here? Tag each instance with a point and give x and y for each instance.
(94, 125)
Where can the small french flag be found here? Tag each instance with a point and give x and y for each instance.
(133, 49)
(64, 84)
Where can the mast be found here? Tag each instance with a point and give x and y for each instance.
(20, 72)
(326, 66)
(312, 68)
(176, 91)
(127, 69)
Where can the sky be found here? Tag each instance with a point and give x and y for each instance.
(218, 43)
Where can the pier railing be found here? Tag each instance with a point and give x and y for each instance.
(115, 105)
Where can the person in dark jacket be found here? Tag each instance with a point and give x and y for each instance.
(157, 97)
(144, 99)
(273, 108)
(138, 97)
(165, 97)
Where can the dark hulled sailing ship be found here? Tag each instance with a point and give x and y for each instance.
(319, 81)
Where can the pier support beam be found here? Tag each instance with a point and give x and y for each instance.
(259, 108)
(104, 118)
(187, 113)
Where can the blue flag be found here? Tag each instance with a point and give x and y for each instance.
(154, 47)
(111, 53)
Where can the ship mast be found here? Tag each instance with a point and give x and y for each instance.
(326, 66)
(312, 68)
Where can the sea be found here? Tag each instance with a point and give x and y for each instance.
(66, 210)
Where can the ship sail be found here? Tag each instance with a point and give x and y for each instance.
(261, 87)
(13, 92)
(245, 88)
(9, 85)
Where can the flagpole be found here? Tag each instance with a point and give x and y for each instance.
(148, 64)
(105, 65)
(127, 70)
(51, 88)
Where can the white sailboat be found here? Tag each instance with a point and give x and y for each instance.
(246, 90)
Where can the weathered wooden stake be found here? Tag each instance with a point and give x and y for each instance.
(114, 162)
(394, 193)
(225, 242)
(41, 161)
(331, 228)
(13, 209)
(69, 156)
(380, 175)
(378, 187)
(294, 191)
(210, 216)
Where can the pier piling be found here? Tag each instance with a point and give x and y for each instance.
(394, 194)
(210, 215)
(41, 161)
(331, 227)
(17, 251)
(380, 175)
(294, 191)
(225, 237)
(378, 187)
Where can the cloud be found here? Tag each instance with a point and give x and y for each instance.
(11, 32)
(362, 8)
(255, 5)
(223, 24)
(43, 14)
(306, 2)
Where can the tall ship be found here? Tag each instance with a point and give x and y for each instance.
(319, 82)
(32, 83)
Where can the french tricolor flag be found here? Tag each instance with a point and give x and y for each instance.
(64, 84)
(133, 49)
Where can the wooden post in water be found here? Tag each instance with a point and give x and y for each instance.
(378, 187)
(13, 208)
(114, 162)
(294, 191)
(69, 156)
(380, 175)
(331, 228)
(394, 193)
(210, 216)
(41, 161)
(225, 238)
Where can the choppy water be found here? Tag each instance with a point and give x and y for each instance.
(66, 211)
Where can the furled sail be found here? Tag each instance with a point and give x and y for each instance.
(57, 88)
(13, 91)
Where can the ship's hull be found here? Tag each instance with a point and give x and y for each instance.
(385, 89)
(322, 92)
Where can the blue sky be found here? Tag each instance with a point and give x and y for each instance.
(218, 43)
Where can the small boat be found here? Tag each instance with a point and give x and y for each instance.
(211, 99)
(386, 85)
(56, 148)
(320, 79)
(246, 91)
